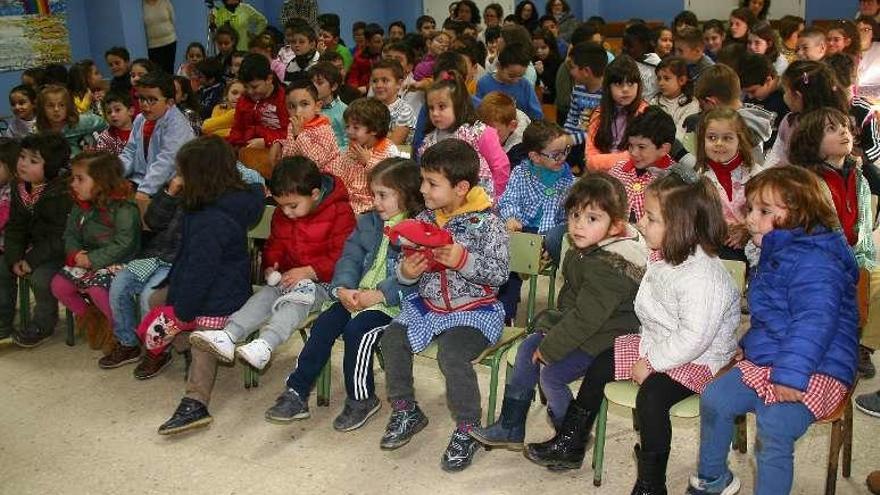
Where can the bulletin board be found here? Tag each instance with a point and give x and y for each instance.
(33, 33)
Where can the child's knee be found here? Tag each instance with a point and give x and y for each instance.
(393, 336)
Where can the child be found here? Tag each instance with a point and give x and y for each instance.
(225, 41)
(235, 61)
(811, 44)
(761, 86)
(462, 322)
(103, 232)
(329, 35)
(309, 133)
(223, 115)
(34, 241)
(56, 112)
(117, 59)
(405, 55)
(425, 25)
(139, 68)
(265, 44)
(211, 87)
(452, 114)
(241, 18)
(261, 116)
(638, 43)
(823, 143)
(118, 114)
(327, 78)
(763, 40)
(499, 111)
(438, 43)
(688, 307)
(78, 85)
(843, 37)
(508, 78)
(188, 103)
(304, 43)
(741, 21)
(359, 74)
(23, 101)
(9, 152)
(676, 95)
(649, 137)
(546, 60)
(385, 81)
(587, 71)
(684, 19)
(798, 359)
(366, 123)
(621, 102)
(665, 42)
(689, 46)
(790, 27)
(364, 296)
(713, 38)
(195, 54)
(210, 278)
(602, 272)
(157, 134)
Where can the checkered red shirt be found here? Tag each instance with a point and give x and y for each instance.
(822, 397)
(212, 322)
(692, 376)
(354, 174)
(315, 141)
(636, 184)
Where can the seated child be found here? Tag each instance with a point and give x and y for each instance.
(456, 303)
(195, 54)
(118, 60)
(159, 131)
(602, 272)
(364, 296)
(385, 82)
(328, 32)
(223, 115)
(762, 87)
(512, 63)
(211, 86)
(9, 152)
(811, 44)
(798, 359)
(303, 42)
(56, 112)
(117, 108)
(688, 307)
(405, 55)
(346, 92)
(650, 137)
(689, 46)
(34, 235)
(188, 103)
(498, 110)
(588, 61)
(675, 92)
(359, 74)
(103, 232)
(366, 123)
(309, 133)
(327, 78)
(23, 102)
(210, 278)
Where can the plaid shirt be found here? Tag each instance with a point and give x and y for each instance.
(693, 377)
(822, 396)
(212, 322)
(531, 202)
(636, 184)
(354, 174)
(315, 141)
(112, 140)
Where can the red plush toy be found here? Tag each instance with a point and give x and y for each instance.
(415, 236)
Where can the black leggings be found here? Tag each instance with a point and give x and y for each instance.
(164, 56)
(657, 394)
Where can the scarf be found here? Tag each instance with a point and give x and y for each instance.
(30, 198)
(723, 171)
(476, 200)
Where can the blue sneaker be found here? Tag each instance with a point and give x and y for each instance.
(726, 484)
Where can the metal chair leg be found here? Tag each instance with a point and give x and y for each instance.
(847, 439)
(599, 445)
(833, 457)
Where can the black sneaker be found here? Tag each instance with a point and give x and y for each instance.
(356, 413)
(189, 414)
(461, 449)
(866, 367)
(32, 337)
(288, 407)
(406, 420)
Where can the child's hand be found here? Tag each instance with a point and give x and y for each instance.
(513, 225)
(175, 186)
(348, 298)
(296, 125)
(359, 153)
(739, 355)
(640, 371)
(368, 298)
(257, 143)
(82, 260)
(787, 394)
(539, 67)
(537, 357)
(413, 266)
(450, 255)
(21, 269)
(321, 46)
(294, 275)
(737, 235)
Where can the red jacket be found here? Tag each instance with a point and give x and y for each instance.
(315, 240)
(361, 67)
(265, 119)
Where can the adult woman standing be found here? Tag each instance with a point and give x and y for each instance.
(243, 17)
(161, 35)
(869, 61)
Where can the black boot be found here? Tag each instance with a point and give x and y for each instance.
(652, 472)
(567, 449)
(510, 429)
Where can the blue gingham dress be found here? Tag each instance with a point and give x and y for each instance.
(422, 324)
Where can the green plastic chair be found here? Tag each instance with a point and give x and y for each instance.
(24, 311)
(623, 393)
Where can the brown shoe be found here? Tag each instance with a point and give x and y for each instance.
(151, 366)
(121, 355)
(873, 482)
(87, 323)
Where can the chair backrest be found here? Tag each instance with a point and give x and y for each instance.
(737, 270)
(525, 253)
(262, 228)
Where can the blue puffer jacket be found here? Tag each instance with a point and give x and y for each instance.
(358, 257)
(804, 317)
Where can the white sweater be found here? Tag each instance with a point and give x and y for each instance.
(689, 313)
(159, 23)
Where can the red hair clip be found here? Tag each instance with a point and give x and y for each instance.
(447, 76)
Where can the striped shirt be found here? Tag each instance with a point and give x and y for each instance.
(582, 105)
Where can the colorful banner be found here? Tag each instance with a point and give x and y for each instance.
(33, 33)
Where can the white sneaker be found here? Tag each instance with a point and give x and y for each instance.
(257, 353)
(217, 342)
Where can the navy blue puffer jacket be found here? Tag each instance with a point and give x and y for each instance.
(804, 316)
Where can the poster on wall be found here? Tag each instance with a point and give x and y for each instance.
(33, 33)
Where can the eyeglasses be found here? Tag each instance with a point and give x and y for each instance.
(556, 155)
(148, 101)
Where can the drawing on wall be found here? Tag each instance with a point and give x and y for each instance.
(33, 33)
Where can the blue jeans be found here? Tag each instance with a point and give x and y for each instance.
(779, 427)
(553, 242)
(554, 377)
(123, 291)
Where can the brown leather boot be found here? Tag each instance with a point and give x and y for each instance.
(86, 323)
(151, 366)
